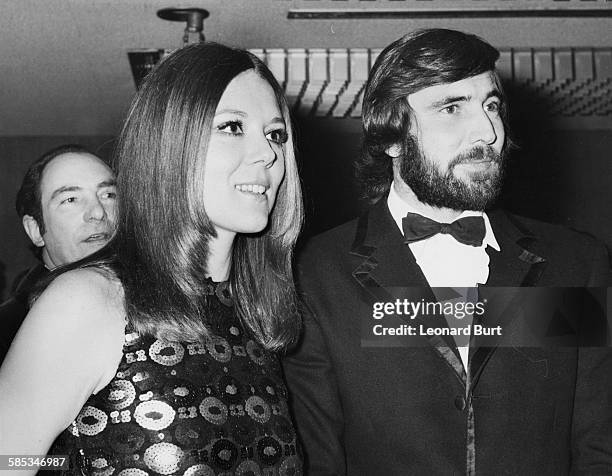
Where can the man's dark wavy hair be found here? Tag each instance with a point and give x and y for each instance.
(416, 61)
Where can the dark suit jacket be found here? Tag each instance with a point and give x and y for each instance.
(14, 310)
(406, 410)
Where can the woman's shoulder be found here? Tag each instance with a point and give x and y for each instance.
(88, 294)
(82, 311)
(92, 285)
(68, 348)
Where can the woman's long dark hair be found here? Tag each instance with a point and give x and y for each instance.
(160, 250)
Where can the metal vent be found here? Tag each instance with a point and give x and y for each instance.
(573, 86)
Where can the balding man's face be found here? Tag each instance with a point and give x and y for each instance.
(78, 202)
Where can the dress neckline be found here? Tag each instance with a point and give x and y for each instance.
(221, 289)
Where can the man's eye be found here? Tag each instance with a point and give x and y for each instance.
(278, 136)
(69, 200)
(493, 106)
(231, 127)
(451, 109)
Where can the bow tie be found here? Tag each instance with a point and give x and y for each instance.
(466, 230)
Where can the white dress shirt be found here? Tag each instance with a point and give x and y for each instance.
(445, 262)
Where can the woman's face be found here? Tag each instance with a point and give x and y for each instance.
(245, 161)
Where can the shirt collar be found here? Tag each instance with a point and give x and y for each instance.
(399, 209)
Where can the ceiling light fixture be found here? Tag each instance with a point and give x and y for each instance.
(143, 60)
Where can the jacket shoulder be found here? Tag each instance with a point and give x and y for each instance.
(554, 235)
(332, 241)
(574, 258)
(327, 257)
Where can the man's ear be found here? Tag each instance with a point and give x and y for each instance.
(32, 229)
(393, 151)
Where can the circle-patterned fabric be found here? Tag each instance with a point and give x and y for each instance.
(219, 407)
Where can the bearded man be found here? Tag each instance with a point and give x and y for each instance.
(435, 146)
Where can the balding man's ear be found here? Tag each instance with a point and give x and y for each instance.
(32, 230)
(394, 151)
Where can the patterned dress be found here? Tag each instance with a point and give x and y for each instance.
(216, 408)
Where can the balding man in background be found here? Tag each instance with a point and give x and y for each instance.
(67, 205)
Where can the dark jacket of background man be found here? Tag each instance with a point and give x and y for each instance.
(13, 310)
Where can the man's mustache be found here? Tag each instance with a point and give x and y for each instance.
(477, 154)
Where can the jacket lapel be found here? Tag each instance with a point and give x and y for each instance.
(518, 264)
(387, 261)
(387, 270)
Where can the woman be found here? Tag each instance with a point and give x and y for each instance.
(157, 354)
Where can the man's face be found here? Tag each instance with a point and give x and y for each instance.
(454, 156)
(78, 202)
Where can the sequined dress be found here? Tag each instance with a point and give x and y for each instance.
(216, 408)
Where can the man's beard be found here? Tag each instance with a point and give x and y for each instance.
(443, 189)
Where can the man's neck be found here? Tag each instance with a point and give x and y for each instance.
(47, 261)
(442, 215)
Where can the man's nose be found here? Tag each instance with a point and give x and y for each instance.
(95, 211)
(483, 128)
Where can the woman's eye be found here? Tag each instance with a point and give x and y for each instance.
(278, 136)
(231, 127)
(69, 200)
